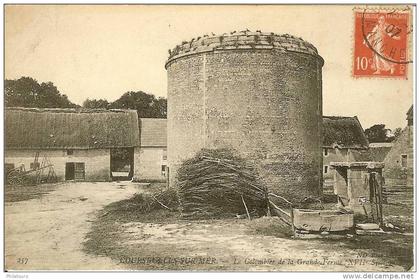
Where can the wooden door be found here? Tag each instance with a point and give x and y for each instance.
(79, 170)
(69, 171)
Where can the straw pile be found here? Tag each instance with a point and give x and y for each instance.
(216, 184)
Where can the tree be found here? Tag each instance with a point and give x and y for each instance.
(95, 103)
(397, 132)
(378, 133)
(147, 105)
(27, 92)
(161, 106)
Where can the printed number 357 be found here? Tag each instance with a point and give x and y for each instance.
(22, 260)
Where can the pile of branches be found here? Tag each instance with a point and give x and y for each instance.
(165, 198)
(217, 184)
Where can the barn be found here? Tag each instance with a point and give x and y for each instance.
(80, 144)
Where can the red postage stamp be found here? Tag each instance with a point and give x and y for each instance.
(380, 43)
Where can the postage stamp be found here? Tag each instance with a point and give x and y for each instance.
(380, 43)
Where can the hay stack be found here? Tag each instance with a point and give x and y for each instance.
(216, 184)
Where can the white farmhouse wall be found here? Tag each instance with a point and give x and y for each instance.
(148, 163)
(97, 161)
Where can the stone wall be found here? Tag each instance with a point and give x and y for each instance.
(97, 161)
(334, 155)
(259, 97)
(339, 155)
(148, 164)
(394, 173)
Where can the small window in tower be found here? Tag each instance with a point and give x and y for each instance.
(326, 152)
(403, 161)
(70, 152)
(325, 169)
(163, 170)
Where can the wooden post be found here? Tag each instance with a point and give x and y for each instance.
(246, 208)
(292, 220)
(379, 182)
(377, 197)
(372, 197)
(378, 215)
(167, 176)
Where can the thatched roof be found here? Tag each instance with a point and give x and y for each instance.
(379, 153)
(410, 115)
(70, 128)
(361, 155)
(344, 132)
(153, 132)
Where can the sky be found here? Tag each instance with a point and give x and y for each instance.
(103, 51)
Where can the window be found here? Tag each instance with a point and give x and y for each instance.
(165, 155)
(325, 169)
(325, 152)
(70, 152)
(163, 170)
(403, 161)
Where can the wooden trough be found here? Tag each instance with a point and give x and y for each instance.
(305, 222)
(322, 220)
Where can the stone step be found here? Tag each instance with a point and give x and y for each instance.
(368, 226)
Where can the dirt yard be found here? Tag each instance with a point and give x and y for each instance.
(231, 245)
(94, 226)
(47, 230)
(160, 240)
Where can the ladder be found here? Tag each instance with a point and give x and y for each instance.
(45, 163)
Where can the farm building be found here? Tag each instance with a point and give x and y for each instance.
(80, 144)
(343, 141)
(399, 160)
(151, 158)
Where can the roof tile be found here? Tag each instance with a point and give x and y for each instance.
(153, 132)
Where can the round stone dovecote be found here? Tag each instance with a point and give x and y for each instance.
(258, 93)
